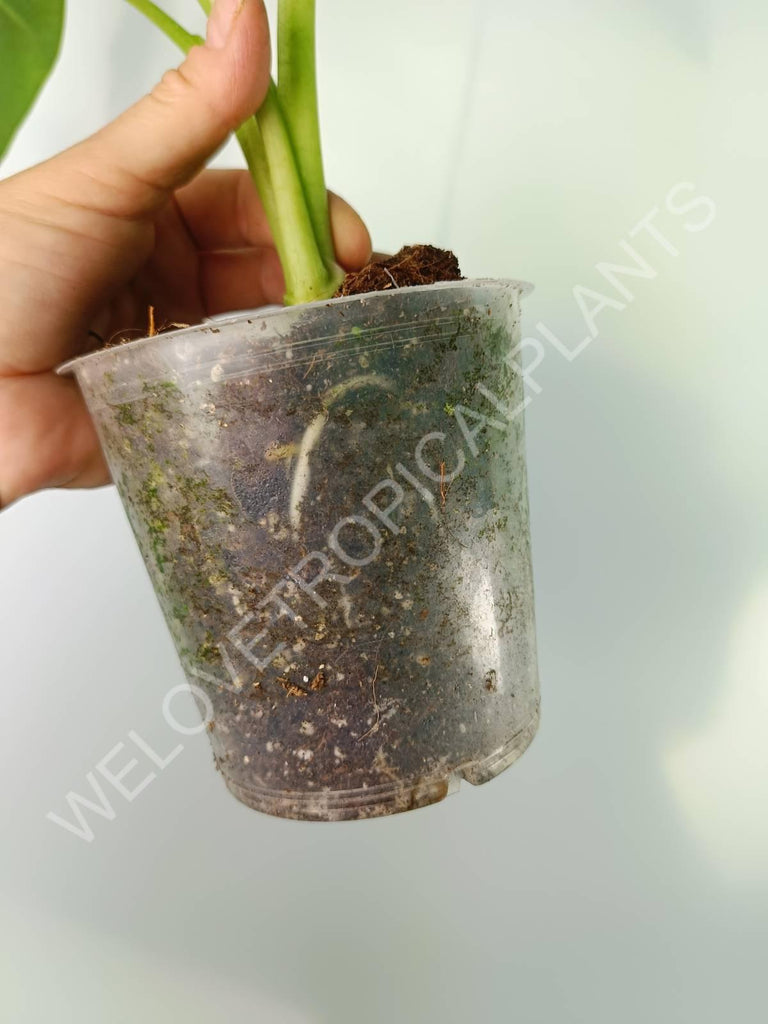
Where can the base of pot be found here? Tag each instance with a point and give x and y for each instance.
(379, 801)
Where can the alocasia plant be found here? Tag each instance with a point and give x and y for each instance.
(30, 33)
(281, 143)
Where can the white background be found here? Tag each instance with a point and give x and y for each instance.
(619, 871)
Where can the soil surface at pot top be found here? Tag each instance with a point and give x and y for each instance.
(413, 265)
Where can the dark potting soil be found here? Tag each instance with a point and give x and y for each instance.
(414, 265)
(401, 666)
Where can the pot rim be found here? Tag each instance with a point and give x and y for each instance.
(267, 313)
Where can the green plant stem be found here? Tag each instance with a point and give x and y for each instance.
(269, 153)
(183, 39)
(307, 275)
(252, 144)
(297, 89)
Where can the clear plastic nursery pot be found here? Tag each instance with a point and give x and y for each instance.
(331, 501)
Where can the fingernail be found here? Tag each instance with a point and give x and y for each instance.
(222, 19)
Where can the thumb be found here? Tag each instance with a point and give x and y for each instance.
(163, 140)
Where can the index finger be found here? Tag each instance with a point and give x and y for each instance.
(223, 212)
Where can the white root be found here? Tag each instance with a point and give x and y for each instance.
(301, 475)
(313, 433)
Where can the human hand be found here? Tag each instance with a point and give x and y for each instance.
(124, 220)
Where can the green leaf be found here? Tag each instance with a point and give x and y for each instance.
(30, 34)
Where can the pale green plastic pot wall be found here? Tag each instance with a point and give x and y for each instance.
(331, 501)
